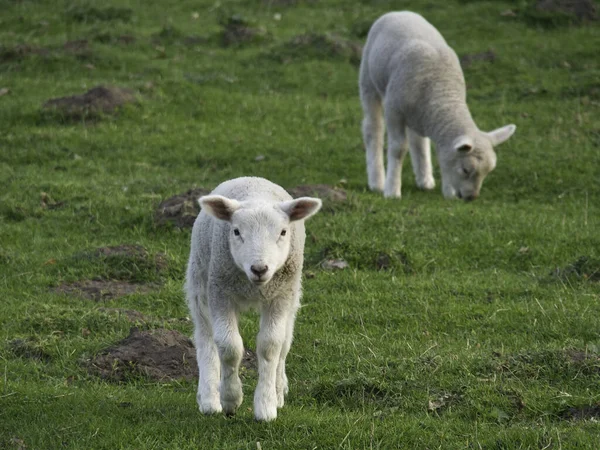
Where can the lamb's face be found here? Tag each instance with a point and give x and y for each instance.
(259, 232)
(463, 173)
(467, 162)
(259, 240)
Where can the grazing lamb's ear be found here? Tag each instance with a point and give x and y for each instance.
(218, 206)
(463, 144)
(501, 134)
(301, 208)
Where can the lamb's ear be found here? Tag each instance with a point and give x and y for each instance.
(301, 208)
(463, 144)
(218, 206)
(501, 134)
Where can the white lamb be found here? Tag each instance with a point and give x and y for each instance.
(247, 251)
(408, 69)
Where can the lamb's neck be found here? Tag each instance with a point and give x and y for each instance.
(451, 120)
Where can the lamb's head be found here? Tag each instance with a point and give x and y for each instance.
(259, 232)
(468, 161)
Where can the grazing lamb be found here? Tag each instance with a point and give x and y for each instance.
(247, 251)
(408, 69)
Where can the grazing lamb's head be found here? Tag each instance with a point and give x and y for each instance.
(259, 232)
(469, 160)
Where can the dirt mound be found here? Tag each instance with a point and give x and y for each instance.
(180, 210)
(322, 191)
(467, 60)
(582, 9)
(97, 101)
(21, 51)
(25, 349)
(320, 46)
(584, 268)
(100, 290)
(582, 413)
(157, 354)
(238, 31)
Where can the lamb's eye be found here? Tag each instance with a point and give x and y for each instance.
(283, 232)
(236, 232)
(465, 171)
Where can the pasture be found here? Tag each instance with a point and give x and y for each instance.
(426, 323)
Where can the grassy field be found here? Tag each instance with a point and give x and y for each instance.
(456, 325)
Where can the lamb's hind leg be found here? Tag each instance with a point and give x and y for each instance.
(397, 148)
(420, 154)
(372, 128)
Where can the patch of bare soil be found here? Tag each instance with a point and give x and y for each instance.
(322, 191)
(21, 51)
(237, 31)
(157, 354)
(101, 290)
(130, 314)
(582, 413)
(25, 349)
(131, 252)
(582, 9)
(180, 210)
(98, 100)
(584, 268)
(77, 47)
(467, 60)
(249, 361)
(326, 46)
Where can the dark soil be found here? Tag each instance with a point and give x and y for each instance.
(130, 314)
(322, 191)
(582, 9)
(101, 290)
(21, 51)
(95, 102)
(237, 31)
(584, 268)
(26, 349)
(324, 46)
(157, 354)
(582, 413)
(467, 60)
(132, 252)
(180, 210)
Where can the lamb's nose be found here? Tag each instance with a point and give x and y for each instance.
(470, 198)
(259, 270)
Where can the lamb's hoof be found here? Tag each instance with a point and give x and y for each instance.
(392, 194)
(426, 185)
(265, 414)
(230, 407)
(210, 409)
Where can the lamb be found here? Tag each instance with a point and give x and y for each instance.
(410, 72)
(247, 250)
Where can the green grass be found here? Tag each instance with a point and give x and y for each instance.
(483, 332)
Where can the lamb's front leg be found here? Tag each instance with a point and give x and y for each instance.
(269, 344)
(231, 348)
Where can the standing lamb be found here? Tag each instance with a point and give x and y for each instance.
(408, 69)
(247, 251)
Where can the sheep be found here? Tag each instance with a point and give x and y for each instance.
(409, 71)
(247, 250)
